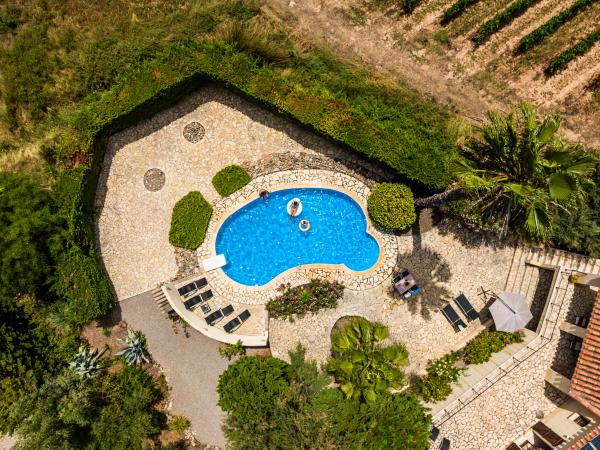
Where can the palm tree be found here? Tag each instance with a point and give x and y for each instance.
(135, 348)
(362, 366)
(520, 173)
(87, 362)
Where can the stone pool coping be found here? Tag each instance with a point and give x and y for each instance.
(290, 179)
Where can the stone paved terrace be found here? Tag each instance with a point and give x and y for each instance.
(135, 213)
(510, 406)
(445, 260)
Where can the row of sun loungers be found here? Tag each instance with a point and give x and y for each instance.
(233, 324)
(187, 289)
(433, 435)
(467, 309)
(197, 299)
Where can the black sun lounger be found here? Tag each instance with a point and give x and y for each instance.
(191, 302)
(206, 295)
(200, 283)
(183, 290)
(214, 317)
(452, 316)
(227, 310)
(445, 445)
(244, 315)
(465, 306)
(434, 433)
(232, 325)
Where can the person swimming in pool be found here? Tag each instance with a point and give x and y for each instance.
(264, 194)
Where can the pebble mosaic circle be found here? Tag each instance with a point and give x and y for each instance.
(193, 132)
(154, 180)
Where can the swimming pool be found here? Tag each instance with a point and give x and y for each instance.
(260, 241)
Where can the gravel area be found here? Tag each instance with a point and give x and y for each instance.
(191, 365)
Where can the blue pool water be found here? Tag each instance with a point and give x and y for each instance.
(260, 241)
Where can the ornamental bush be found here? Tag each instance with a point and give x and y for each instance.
(229, 179)
(190, 221)
(391, 206)
(435, 386)
(311, 297)
(480, 349)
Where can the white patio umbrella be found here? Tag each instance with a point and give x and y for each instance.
(510, 312)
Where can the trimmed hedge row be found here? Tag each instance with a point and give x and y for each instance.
(502, 19)
(190, 220)
(397, 127)
(455, 10)
(229, 179)
(538, 35)
(581, 48)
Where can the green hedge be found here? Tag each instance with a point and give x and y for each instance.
(539, 34)
(391, 206)
(455, 10)
(480, 349)
(441, 373)
(502, 19)
(190, 220)
(561, 61)
(393, 125)
(229, 179)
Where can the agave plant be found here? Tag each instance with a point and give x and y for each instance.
(362, 366)
(135, 348)
(522, 172)
(87, 362)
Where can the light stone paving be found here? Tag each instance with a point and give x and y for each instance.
(257, 295)
(133, 223)
(445, 260)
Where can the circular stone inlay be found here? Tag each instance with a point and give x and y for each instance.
(154, 180)
(193, 132)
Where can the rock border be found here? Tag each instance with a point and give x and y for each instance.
(257, 295)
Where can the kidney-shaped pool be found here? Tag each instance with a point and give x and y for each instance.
(260, 240)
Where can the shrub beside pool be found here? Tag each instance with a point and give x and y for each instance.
(392, 206)
(229, 179)
(190, 221)
(311, 297)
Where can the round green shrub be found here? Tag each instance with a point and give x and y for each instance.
(391, 206)
(190, 221)
(229, 179)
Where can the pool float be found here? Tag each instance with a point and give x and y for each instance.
(293, 212)
(304, 225)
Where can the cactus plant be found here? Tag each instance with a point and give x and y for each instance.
(135, 348)
(86, 362)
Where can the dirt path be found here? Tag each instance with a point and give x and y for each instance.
(445, 65)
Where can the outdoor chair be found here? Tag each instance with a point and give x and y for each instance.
(200, 283)
(465, 306)
(399, 276)
(445, 444)
(415, 290)
(206, 295)
(205, 308)
(232, 325)
(214, 317)
(227, 310)
(581, 321)
(434, 433)
(452, 316)
(184, 290)
(244, 315)
(191, 302)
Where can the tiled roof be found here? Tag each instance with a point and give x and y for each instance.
(580, 444)
(585, 384)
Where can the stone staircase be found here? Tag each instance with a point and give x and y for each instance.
(161, 300)
(529, 260)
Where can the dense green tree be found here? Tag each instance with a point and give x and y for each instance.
(111, 411)
(362, 365)
(394, 421)
(521, 173)
(31, 237)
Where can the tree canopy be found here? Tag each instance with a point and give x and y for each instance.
(520, 173)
